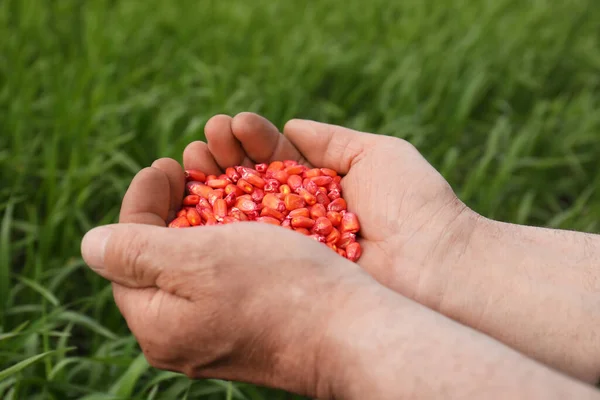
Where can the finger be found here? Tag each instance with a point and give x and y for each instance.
(225, 148)
(197, 156)
(262, 141)
(147, 199)
(176, 179)
(325, 145)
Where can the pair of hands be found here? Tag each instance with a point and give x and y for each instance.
(255, 303)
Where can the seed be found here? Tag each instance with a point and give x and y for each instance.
(231, 188)
(337, 179)
(215, 195)
(322, 180)
(286, 224)
(353, 251)
(323, 226)
(232, 174)
(329, 172)
(179, 222)
(332, 246)
(285, 189)
(220, 209)
(303, 231)
(182, 213)
(318, 238)
(269, 212)
(276, 166)
(311, 187)
(262, 168)
(334, 195)
(229, 220)
(335, 218)
(350, 223)
(345, 239)
(193, 217)
(309, 198)
(317, 211)
(299, 212)
(281, 176)
(208, 216)
(194, 175)
(341, 252)
(272, 201)
(230, 199)
(334, 186)
(203, 203)
(334, 236)
(245, 186)
(322, 198)
(337, 205)
(258, 195)
(224, 177)
(211, 177)
(312, 173)
(302, 222)
(245, 205)
(290, 163)
(191, 200)
(295, 169)
(295, 182)
(254, 180)
(198, 188)
(293, 201)
(268, 220)
(272, 185)
(237, 214)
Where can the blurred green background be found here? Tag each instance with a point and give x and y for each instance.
(502, 96)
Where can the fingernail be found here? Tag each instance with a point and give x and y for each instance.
(93, 246)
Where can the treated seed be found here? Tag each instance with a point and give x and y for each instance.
(276, 166)
(345, 239)
(198, 188)
(211, 177)
(329, 172)
(286, 224)
(245, 205)
(262, 168)
(195, 175)
(312, 173)
(179, 222)
(337, 205)
(208, 216)
(322, 198)
(182, 212)
(254, 180)
(317, 211)
(322, 180)
(294, 182)
(303, 231)
(334, 195)
(220, 209)
(268, 220)
(290, 163)
(332, 246)
(350, 223)
(295, 169)
(191, 200)
(341, 252)
(337, 179)
(231, 188)
(299, 212)
(272, 201)
(302, 222)
(285, 189)
(272, 185)
(293, 201)
(232, 174)
(311, 187)
(269, 212)
(323, 226)
(193, 217)
(215, 195)
(230, 199)
(318, 238)
(229, 220)
(281, 176)
(237, 214)
(334, 236)
(258, 195)
(309, 198)
(353, 251)
(245, 186)
(334, 186)
(225, 177)
(335, 218)
(203, 203)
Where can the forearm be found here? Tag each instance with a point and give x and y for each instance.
(398, 349)
(536, 289)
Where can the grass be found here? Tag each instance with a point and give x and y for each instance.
(502, 96)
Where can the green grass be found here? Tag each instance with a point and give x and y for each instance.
(502, 96)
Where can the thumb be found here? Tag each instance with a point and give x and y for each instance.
(328, 146)
(133, 255)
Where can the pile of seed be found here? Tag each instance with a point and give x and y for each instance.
(283, 193)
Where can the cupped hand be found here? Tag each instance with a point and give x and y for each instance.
(247, 301)
(413, 226)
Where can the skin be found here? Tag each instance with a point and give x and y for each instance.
(305, 320)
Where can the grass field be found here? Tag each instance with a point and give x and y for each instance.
(502, 96)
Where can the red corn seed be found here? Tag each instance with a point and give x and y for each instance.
(237, 214)
(317, 211)
(232, 174)
(193, 217)
(329, 172)
(276, 166)
(318, 238)
(203, 203)
(323, 226)
(312, 173)
(280, 196)
(294, 182)
(332, 246)
(286, 224)
(255, 180)
(353, 251)
(245, 196)
(180, 222)
(262, 168)
(290, 163)
(231, 188)
(272, 201)
(281, 176)
(311, 187)
(198, 188)
(334, 186)
(293, 201)
(285, 189)
(295, 169)
(309, 198)
(195, 175)
(229, 220)
(335, 218)
(337, 205)
(182, 212)
(230, 199)
(215, 195)
(272, 185)
(245, 186)
(302, 222)
(245, 205)
(268, 220)
(303, 231)
(208, 216)
(191, 200)
(225, 177)
(334, 236)
(299, 212)
(269, 212)
(334, 195)
(211, 177)
(345, 239)
(257, 195)
(341, 252)
(350, 223)
(322, 180)
(322, 198)
(337, 179)
(220, 209)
